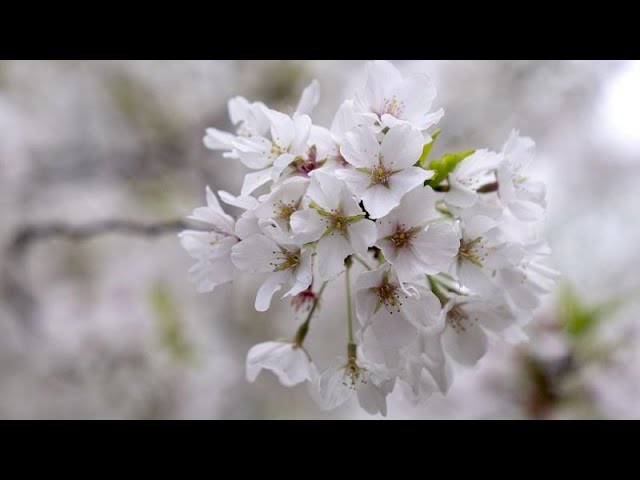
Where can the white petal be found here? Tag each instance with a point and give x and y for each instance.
(271, 285)
(391, 327)
(254, 180)
(466, 346)
(371, 399)
(360, 148)
(256, 253)
(308, 225)
(436, 247)
(379, 200)
(218, 140)
(331, 252)
(309, 98)
(362, 234)
(282, 129)
(358, 182)
(335, 388)
(406, 180)
(401, 147)
(416, 94)
(291, 365)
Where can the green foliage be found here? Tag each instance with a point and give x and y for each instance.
(444, 166)
(579, 319)
(427, 148)
(169, 323)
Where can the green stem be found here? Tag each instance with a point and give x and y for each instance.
(304, 328)
(349, 307)
(362, 262)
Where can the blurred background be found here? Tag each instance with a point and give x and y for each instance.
(110, 328)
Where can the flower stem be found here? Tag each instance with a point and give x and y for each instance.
(349, 306)
(304, 328)
(362, 262)
(435, 288)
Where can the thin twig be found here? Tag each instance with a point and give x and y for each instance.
(30, 234)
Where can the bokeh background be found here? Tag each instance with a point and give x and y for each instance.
(110, 328)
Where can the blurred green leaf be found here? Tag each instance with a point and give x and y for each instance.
(169, 323)
(579, 319)
(445, 165)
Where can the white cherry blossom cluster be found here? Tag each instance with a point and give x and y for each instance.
(449, 250)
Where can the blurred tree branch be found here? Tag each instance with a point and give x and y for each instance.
(29, 234)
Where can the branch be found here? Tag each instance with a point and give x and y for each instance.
(29, 234)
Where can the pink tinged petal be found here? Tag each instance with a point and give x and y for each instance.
(358, 182)
(391, 328)
(362, 234)
(361, 148)
(218, 140)
(371, 399)
(309, 98)
(379, 200)
(406, 180)
(254, 180)
(331, 252)
(308, 225)
(256, 253)
(415, 93)
(430, 119)
(465, 346)
(271, 285)
(436, 247)
(401, 147)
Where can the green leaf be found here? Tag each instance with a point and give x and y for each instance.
(427, 148)
(579, 319)
(445, 165)
(168, 322)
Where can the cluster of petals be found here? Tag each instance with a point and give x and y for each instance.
(441, 271)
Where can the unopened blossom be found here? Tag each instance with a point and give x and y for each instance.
(335, 220)
(288, 361)
(211, 248)
(412, 241)
(383, 173)
(389, 99)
